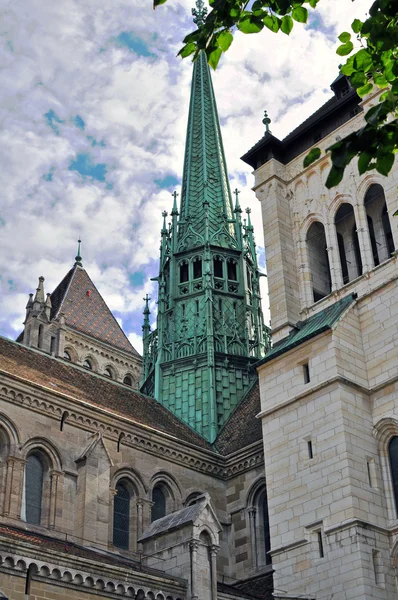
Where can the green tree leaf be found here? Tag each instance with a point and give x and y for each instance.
(300, 14)
(250, 24)
(224, 40)
(363, 162)
(380, 80)
(344, 37)
(362, 61)
(356, 25)
(187, 50)
(311, 157)
(345, 49)
(334, 177)
(365, 89)
(286, 24)
(272, 22)
(158, 3)
(214, 58)
(384, 162)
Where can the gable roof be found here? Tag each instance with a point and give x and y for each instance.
(60, 376)
(234, 436)
(310, 328)
(77, 298)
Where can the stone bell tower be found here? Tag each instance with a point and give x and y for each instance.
(210, 326)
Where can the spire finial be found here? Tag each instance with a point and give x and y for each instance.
(78, 258)
(237, 205)
(175, 210)
(39, 296)
(199, 13)
(266, 122)
(249, 223)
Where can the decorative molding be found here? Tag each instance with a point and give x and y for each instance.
(128, 584)
(136, 435)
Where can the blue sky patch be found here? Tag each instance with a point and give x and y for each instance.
(2, 222)
(52, 119)
(49, 176)
(133, 42)
(316, 23)
(84, 165)
(137, 279)
(167, 181)
(95, 143)
(78, 121)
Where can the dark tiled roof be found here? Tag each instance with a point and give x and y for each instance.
(77, 298)
(233, 591)
(172, 521)
(285, 150)
(310, 328)
(242, 428)
(55, 374)
(260, 587)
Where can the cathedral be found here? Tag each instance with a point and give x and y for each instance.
(231, 461)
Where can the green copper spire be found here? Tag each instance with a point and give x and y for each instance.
(205, 177)
(78, 258)
(210, 330)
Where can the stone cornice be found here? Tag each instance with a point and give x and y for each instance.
(338, 379)
(90, 417)
(78, 572)
(97, 347)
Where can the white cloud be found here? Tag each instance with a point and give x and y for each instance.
(62, 57)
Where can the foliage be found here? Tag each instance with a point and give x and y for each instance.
(374, 65)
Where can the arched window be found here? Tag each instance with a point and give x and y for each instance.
(121, 516)
(218, 267)
(40, 337)
(318, 261)
(393, 455)
(373, 241)
(197, 268)
(128, 381)
(343, 259)
(259, 527)
(387, 231)
(193, 498)
(232, 270)
(184, 272)
(33, 489)
(350, 256)
(108, 373)
(159, 503)
(87, 364)
(378, 223)
(67, 355)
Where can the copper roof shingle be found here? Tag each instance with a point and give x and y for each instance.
(77, 298)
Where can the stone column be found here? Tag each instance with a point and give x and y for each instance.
(54, 483)
(213, 566)
(307, 298)
(13, 487)
(253, 536)
(140, 519)
(193, 547)
(332, 248)
(365, 246)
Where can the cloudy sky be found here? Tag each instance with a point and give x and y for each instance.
(93, 110)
